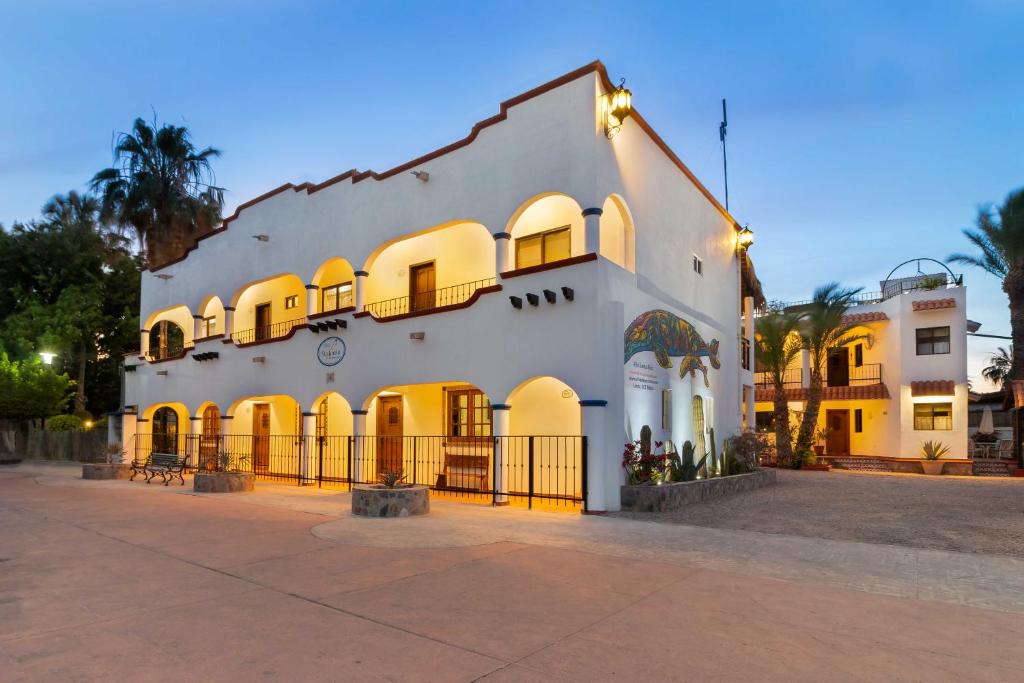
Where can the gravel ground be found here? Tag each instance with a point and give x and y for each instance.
(942, 513)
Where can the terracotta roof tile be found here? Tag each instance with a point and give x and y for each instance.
(871, 317)
(933, 304)
(933, 387)
(852, 393)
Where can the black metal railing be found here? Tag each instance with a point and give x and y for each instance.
(854, 375)
(745, 353)
(266, 332)
(549, 470)
(425, 301)
(790, 378)
(892, 289)
(169, 352)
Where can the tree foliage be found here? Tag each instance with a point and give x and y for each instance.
(30, 390)
(161, 189)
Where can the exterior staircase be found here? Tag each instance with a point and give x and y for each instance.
(992, 468)
(861, 464)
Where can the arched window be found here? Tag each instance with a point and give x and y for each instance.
(165, 430)
(166, 340)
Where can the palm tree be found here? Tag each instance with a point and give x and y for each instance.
(999, 367)
(999, 238)
(823, 327)
(160, 188)
(776, 347)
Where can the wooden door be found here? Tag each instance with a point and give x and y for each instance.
(209, 440)
(263, 322)
(389, 433)
(838, 441)
(261, 436)
(422, 287)
(838, 368)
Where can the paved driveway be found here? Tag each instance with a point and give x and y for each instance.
(964, 514)
(117, 580)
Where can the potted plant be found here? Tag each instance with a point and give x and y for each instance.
(391, 496)
(820, 439)
(228, 475)
(112, 466)
(933, 452)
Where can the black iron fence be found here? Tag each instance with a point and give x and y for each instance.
(854, 375)
(530, 469)
(266, 332)
(790, 378)
(424, 301)
(169, 352)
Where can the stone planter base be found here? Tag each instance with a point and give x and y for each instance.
(102, 470)
(223, 482)
(932, 467)
(672, 497)
(377, 501)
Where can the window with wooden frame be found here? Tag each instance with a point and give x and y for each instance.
(544, 247)
(933, 416)
(469, 414)
(334, 297)
(207, 327)
(858, 355)
(932, 340)
(291, 302)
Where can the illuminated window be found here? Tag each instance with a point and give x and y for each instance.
(932, 340)
(933, 416)
(335, 297)
(291, 301)
(543, 247)
(207, 327)
(469, 413)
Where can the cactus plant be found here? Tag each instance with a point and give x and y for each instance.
(683, 468)
(645, 441)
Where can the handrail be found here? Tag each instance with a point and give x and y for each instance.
(792, 377)
(425, 301)
(166, 354)
(266, 332)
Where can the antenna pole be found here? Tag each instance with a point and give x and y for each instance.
(725, 162)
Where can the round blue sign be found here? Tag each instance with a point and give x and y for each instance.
(331, 351)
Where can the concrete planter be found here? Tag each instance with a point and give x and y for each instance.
(372, 500)
(672, 497)
(102, 470)
(932, 467)
(223, 482)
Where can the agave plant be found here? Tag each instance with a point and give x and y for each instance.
(391, 478)
(933, 450)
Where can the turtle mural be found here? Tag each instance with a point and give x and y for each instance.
(666, 334)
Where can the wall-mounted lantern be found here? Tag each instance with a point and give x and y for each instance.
(617, 106)
(745, 237)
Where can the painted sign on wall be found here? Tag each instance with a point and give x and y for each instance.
(331, 351)
(667, 335)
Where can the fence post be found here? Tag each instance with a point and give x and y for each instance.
(348, 460)
(414, 440)
(529, 468)
(320, 461)
(584, 468)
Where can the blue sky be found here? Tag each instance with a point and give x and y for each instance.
(861, 134)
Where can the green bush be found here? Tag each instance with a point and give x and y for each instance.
(64, 423)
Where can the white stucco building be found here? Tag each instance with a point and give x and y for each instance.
(461, 315)
(903, 384)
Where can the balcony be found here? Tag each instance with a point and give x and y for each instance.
(869, 373)
(791, 378)
(266, 333)
(172, 352)
(431, 301)
(842, 384)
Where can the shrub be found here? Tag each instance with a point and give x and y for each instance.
(64, 423)
(641, 467)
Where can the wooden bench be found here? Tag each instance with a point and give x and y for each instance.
(166, 465)
(465, 472)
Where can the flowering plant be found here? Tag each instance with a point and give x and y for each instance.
(641, 467)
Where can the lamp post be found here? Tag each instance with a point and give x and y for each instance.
(47, 357)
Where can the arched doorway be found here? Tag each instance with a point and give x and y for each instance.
(209, 439)
(165, 430)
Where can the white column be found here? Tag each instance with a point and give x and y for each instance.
(229, 321)
(361, 276)
(501, 419)
(129, 428)
(143, 342)
(192, 442)
(501, 256)
(358, 436)
(748, 334)
(308, 466)
(593, 429)
(312, 303)
(592, 230)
